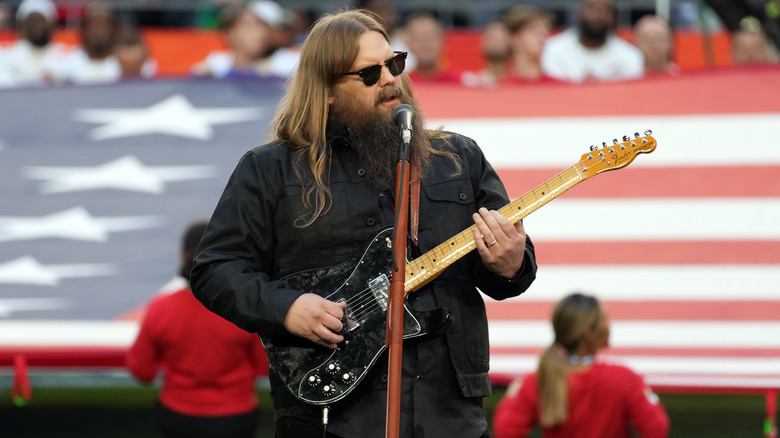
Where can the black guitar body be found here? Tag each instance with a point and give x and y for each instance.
(321, 376)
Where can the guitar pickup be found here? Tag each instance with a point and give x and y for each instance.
(379, 287)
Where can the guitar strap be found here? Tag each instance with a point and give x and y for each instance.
(415, 201)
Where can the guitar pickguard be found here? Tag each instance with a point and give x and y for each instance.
(319, 375)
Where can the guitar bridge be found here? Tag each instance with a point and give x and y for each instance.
(379, 287)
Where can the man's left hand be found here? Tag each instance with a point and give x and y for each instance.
(500, 244)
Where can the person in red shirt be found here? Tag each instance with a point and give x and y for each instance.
(571, 394)
(209, 365)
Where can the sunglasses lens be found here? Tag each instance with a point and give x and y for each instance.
(371, 74)
(397, 64)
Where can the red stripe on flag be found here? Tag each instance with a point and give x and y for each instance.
(738, 91)
(751, 252)
(657, 182)
(646, 310)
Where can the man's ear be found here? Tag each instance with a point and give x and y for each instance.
(331, 96)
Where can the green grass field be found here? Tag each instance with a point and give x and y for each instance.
(125, 412)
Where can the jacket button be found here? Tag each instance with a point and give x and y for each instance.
(462, 196)
(361, 172)
(384, 378)
(370, 221)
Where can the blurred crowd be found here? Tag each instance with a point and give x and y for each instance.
(262, 39)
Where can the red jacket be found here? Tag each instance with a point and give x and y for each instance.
(209, 364)
(604, 402)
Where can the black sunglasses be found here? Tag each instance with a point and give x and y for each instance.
(370, 75)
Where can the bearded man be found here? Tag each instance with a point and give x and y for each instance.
(315, 197)
(591, 51)
(34, 59)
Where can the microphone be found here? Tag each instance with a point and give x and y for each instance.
(403, 115)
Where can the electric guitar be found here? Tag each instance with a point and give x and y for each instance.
(321, 376)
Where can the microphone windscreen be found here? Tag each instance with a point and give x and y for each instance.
(403, 115)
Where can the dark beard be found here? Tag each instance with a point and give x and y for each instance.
(376, 138)
(378, 144)
(39, 39)
(594, 33)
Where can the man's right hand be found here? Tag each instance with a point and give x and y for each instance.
(316, 319)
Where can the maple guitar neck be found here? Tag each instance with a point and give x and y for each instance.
(428, 266)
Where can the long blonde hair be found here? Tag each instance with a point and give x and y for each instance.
(576, 319)
(328, 53)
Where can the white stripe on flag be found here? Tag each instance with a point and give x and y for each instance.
(43, 333)
(657, 219)
(657, 283)
(682, 140)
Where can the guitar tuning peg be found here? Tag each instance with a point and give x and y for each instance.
(593, 147)
(636, 135)
(626, 138)
(648, 132)
(615, 141)
(604, 144)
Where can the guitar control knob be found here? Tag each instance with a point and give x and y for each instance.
(314, 380)
(348, 378)
(333, 368)
(329, 390)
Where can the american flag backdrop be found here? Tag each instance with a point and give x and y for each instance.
(98, 184)
(682, 246)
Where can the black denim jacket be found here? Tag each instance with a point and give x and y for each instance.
(252, 241)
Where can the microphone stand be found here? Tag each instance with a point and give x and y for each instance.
(395, 295)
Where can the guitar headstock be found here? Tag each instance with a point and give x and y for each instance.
(615, 156)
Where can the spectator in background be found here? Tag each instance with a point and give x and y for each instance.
(591, 51)
(133, 55)
(494, 43)
(248, 31)
(655, 39)
(748, 44)
(5, 13)
(425, 38)
(34, 59)
(281, 58)
(94, 61)
(529, 27)
(389, 17)
(573, 394)
(209, 365)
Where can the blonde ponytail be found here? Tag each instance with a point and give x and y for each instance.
(576, 321)
(551, 383)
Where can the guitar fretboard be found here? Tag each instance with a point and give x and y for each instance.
(429, 265)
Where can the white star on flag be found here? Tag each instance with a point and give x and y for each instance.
(126, 173)
(75, 223)
(27, 270)
(173, 116)
(11, 305)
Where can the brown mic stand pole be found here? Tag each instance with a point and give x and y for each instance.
(395, 294)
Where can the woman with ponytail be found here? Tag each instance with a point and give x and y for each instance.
(574, 395)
